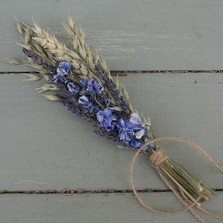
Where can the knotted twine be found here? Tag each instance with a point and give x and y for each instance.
(157, 158)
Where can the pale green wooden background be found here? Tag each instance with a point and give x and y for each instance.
(46, 148)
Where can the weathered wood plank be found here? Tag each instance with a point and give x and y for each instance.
(133, 35)
(44, 146)
(83, 208)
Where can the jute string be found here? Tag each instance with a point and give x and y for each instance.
(156, 159)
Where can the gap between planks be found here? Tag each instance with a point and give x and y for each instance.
(124, 72)
(88, 191)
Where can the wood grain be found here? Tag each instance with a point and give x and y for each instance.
(86, 208)
(132, 35)
(44, 146)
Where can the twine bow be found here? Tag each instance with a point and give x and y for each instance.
(157, 158)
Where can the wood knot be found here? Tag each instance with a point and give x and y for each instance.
(158, 157)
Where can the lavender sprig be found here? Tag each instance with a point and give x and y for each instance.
(112, 88)
(38, 60)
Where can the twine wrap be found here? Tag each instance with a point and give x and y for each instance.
(158, 157)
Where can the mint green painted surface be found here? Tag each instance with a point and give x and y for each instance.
(45, 147)
(132, 35)
(95, 208)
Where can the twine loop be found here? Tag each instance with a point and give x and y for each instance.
(157, 158)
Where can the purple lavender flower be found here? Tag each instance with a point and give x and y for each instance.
(138, 128)
(64, 67)
(92, 86)
(87, 102)
(73, 88)
(106, 119)
(58, 79)
(135, 143)
(125, 131)
(106, 102)
(130, 131)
